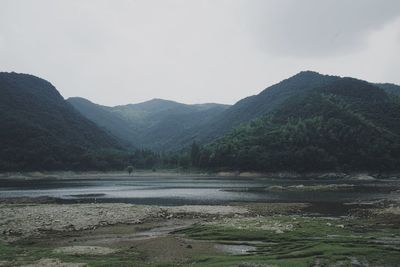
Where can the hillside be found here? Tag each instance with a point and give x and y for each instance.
(111, 122)
(346, 125)
(255, 106)
(40, 130)
(156, 124)
(389, 87)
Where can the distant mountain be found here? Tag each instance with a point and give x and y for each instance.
(347, 124)
(156, 124)
(40, 130)
(111, 122)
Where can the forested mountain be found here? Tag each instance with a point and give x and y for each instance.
(156, 124)
(170, 126)
(40, 130)
(255, 106)
(346, 125)
(309, 122)
(389, 87)
(267, 101)
(104, 118)
(164, 125)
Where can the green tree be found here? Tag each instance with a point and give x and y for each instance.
(195, 154)
(130, 169)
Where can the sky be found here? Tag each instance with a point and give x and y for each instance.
(116, 52)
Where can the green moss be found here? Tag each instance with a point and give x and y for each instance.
(29, 254)
(307, 240)
(8, 252)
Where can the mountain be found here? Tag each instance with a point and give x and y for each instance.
(156, 124)
(40, 130)
(267, 101)
(309, 122)
(164, 125)
(389, 87)
(345, 125)
(255, 106)
(109, 121)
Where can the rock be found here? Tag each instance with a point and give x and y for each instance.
(363, 177)
(85, 250)
(54, 263)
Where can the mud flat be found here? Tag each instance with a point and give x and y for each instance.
(243, 234)
(36, 234)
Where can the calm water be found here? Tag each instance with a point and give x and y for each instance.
(193, 190)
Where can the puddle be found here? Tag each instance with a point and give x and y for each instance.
(88, 195)
(235, 249)
(158, 231)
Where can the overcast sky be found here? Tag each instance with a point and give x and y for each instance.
(195, 51)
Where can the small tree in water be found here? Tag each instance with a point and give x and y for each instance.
(130, 169)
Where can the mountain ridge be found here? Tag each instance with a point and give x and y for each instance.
(145, 124)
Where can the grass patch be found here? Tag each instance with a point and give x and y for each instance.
(305, 241)
(29, 254)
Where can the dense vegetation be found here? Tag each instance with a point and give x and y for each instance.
(389, 88)
(347, 125)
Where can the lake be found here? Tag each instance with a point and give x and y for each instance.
(182, 190)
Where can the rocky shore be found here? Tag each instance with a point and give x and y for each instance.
(19, 221)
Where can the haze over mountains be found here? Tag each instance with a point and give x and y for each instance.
(40, 129)
(157, 124)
